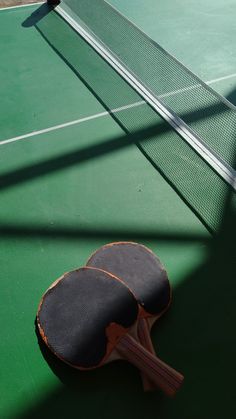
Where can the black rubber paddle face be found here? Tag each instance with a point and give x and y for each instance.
(140, 269)
(76, 311)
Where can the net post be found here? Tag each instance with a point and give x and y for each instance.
(53, 2)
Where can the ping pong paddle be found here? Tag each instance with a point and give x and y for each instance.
(88, 317)
(144, 274)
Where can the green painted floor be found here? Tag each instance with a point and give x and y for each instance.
(68, 191)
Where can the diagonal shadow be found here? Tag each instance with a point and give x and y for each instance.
(66, 160)
(196, 336)
(110, 90)
(139, 137)
(23, 231)
(38, 14)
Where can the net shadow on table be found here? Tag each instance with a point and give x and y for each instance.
(191, 177)
(199, 327)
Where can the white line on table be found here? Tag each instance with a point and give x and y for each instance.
(106, 113)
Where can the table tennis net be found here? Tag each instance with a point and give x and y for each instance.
(207, 114)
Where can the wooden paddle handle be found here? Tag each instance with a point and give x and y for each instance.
(143, 331)
(164, 377)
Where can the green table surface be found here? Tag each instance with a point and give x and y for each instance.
(68, 191)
